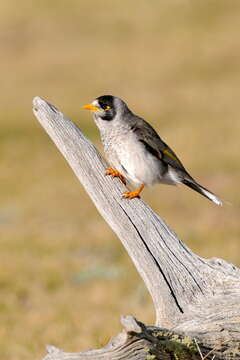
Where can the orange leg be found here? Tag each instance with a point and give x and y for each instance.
(133, 194)
(115, 173)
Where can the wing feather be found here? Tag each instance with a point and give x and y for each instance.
(154, 144)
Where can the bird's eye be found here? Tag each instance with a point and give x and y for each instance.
(103, 105)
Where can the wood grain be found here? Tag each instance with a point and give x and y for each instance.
(193, 296)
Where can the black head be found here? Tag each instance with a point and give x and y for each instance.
(106, 103)
(106, 107)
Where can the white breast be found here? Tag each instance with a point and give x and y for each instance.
(129, 156)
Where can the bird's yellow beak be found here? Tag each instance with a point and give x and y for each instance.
(90, 107)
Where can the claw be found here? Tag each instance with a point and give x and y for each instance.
(133, 194)
(130, 195)
(115, 173)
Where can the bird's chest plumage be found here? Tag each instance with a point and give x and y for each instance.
(129, 156)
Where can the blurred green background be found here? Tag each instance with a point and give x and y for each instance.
(65, 278)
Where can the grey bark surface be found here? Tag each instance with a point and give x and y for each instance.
(192, 296)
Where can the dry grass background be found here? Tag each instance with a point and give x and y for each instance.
(64, 276)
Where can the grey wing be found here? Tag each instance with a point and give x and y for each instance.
(154, 144)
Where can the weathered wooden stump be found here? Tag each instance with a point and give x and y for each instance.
(197, 301)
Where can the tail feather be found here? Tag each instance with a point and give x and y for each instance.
(203, 191)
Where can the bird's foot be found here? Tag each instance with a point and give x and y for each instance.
(133, 194)
(115, 173)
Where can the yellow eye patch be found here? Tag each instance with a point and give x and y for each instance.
(107, 107)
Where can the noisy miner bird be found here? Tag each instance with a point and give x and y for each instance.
(136, 152)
